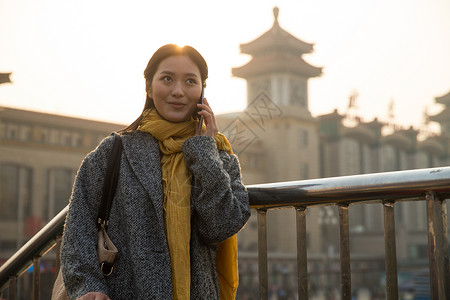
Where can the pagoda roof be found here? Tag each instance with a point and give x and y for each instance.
(443, 116)
(4, 78)
(276, 39)
(360, 133)
(276, 51)
(410, 131)
(432, 145)
(375, 123)
(276, 62)
(444, 99)
(334, 116)
(399, 140)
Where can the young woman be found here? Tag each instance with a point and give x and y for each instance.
(179, 201)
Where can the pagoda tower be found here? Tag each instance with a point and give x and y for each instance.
(277, 67)
(443, 118)
(283, 136)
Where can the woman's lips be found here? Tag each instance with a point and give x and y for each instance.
(177, 104)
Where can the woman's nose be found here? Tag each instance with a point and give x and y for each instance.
(177, 90)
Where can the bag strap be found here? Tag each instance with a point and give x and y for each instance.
(110, 183)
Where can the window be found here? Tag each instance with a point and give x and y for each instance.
(76, 140)
(357, 218)
(421, 159)
(45, 135)
(389, 158)
(365, 159)
(304, 138)
(298, 93)
(12, 131)
(350, 157)
(54, 136)
(417, 251)
(25, 133)
(9, 188)
(65, 138)
(60, 183)
(15, 192)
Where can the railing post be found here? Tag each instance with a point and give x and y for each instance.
(390, 249)
(36, 277)
(344, 232)
(445, 253)
(438, 247)
(12, 289)
(302, 259)
(262, 254)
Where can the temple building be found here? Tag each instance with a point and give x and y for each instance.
(277, 139)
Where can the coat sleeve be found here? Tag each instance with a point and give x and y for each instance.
(220, 201)
(79, 259)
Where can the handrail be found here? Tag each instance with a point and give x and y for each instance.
(304, 193)
(38, 245)
(350, 189)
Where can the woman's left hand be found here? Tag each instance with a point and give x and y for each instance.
(208, 118)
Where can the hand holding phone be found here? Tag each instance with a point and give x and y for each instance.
(200, 123)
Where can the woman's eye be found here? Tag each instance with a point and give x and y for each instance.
(167, 78)
(191, 81)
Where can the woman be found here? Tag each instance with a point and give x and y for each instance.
(179, 201)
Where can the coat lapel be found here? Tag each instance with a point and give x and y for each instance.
(142, 152)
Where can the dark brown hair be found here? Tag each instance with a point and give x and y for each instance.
(153, 64)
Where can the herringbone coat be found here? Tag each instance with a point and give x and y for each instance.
(219, 209)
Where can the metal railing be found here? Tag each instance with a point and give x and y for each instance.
(431, 185)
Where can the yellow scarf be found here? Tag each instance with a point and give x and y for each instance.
(177, 211)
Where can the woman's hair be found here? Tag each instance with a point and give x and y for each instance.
(161, 54)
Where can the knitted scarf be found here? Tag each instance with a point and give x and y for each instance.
(176, 180)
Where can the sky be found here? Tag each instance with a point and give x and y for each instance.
(85, 58)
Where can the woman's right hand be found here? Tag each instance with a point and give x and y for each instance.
(94, 296)
(209, 118)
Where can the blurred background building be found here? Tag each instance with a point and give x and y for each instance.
(276, 139)
(39, 157)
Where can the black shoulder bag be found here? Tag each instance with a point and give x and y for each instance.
(106, 250)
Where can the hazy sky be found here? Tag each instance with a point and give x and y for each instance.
(85, 58)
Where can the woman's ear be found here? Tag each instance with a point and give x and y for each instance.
(148, 88)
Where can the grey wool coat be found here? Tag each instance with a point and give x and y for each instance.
(219, 209)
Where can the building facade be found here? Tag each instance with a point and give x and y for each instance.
(40, 154)
(277, 139)
(39, 157)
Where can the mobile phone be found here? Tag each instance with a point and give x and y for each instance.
(200, 123)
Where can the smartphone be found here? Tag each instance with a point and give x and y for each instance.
(200, 123)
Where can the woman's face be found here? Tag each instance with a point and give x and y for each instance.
(176, 88)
